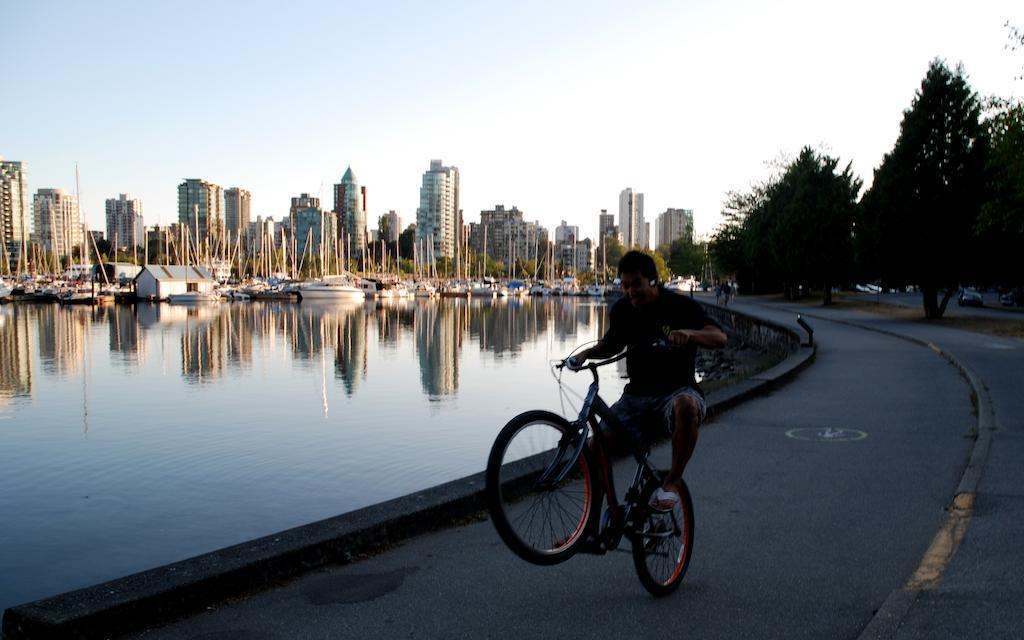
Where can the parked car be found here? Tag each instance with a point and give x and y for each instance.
(969, 298)
(1013, 298)
(868, 288)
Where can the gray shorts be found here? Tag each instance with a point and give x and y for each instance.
(652, 415)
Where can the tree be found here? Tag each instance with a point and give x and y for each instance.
(104, 248)
(811, 209)
(406, 242)
(383, 228)
(927, 193)
(613, 252)
(736, 247)
(685, 258)
(1000, 224)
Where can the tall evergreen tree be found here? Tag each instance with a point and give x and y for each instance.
(923, 205)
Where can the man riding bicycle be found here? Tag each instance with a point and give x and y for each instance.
(662, 387)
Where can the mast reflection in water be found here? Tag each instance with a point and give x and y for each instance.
(135, 436)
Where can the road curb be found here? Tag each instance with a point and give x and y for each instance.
(887, 620)
(169, 592)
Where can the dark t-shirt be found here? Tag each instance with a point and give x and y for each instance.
(656, 371)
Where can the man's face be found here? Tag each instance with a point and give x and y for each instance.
(638, 288)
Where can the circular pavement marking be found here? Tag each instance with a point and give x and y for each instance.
(827, 434)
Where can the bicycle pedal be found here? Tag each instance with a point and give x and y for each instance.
(593, 546)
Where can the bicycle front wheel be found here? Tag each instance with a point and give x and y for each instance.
(662, 542)
(541, 520)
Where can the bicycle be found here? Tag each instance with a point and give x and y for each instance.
(544, 482)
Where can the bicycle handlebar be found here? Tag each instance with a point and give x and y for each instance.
(571, 364)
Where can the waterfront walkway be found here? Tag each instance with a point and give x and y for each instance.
(797, 535)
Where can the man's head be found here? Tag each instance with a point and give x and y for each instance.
(639, 277)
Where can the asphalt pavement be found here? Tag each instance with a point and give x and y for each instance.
(813, 505)
(982, 591)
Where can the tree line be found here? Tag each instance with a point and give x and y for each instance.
(945, 207)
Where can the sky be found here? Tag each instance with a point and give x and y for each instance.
(553, 107)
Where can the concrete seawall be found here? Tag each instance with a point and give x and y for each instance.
(176, 590)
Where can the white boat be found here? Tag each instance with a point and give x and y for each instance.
(595, 291)
(193, 297)
(540, 290)
(423, 289)
(454, 289)
(481, 290)
(5, 290)
(331, 288)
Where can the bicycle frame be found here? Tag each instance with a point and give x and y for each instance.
(587, 422)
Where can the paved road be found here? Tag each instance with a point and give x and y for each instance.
(795, 538)
(983, 589)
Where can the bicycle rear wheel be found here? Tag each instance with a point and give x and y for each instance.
(662, 542)
(542, 521)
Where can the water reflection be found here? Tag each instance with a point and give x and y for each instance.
(214, 340)
(15, 355)
(151, 433)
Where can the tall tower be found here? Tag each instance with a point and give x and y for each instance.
(631, 218)
(236, 213)
(14, 220)
(200, 209)
(57, 223)
(124, 222)
(350, 207)
(437, 217)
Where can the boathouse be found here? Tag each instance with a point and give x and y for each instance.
(115, 271)
(157, 281)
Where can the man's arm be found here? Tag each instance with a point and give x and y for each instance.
(600, 350)
(710, 337)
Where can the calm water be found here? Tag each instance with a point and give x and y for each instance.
(135, 436)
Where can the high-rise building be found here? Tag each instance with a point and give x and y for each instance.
(237, 202)
(58, 228)
(201, 209)
(566, 233)
(125, 228)
(350, 207)
(14, 213)
(631, 218)
(509, 238)
(605, 226)
(394, 225)
(437, 217)
(576, 256)
(304, 201)
(313, 228)
(674, 224)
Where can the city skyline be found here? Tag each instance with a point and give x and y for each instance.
(716, 93)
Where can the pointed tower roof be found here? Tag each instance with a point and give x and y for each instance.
(349, 176)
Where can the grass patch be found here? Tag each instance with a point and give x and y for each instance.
(1004, 327)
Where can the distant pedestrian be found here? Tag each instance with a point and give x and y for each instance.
(732, 291)
(726, 293)
(718, 292)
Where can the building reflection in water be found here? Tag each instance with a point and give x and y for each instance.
(62, 334)
(15, 354)
(124, 333)
(217, 338)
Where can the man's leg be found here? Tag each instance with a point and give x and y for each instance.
(686, 417)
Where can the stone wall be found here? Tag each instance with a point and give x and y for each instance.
(761, 334)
